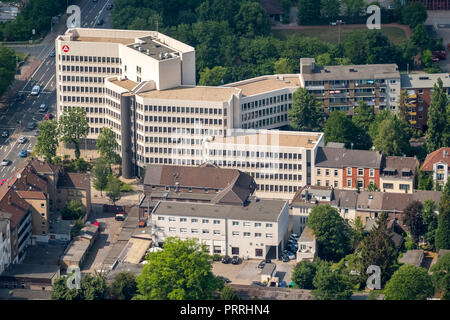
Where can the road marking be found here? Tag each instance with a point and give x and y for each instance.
(49, 81)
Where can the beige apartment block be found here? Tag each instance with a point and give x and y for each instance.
(279, 161)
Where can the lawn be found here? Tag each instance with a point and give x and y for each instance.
(330, 34)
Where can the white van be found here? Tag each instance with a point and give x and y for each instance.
(35, 91)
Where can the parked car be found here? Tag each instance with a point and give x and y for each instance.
(440, 54)
(236, 260)
(53, 53)
(282, 284)
(36, 133)
(261, 264)
(226, 260)
(5, 133)
(257, 283)
(142, 224)
(5, 162)
(23, 153)
(48, 116)
(31, 125)
(226, 280)
(42, 108)
(285, 258)
(21, 139)
(120, 217)
(109, 6)
(295, 236)
(20, 96)
(291, 255)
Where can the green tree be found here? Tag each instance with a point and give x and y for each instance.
(282, 66)
(331, 9)
(213, 77)
(363, 115)
(308, 12)
(339, 128)
(113, 188)
(358, 232)
(324, 59)
(431, 221)
(443, 229)
(420, 37)
(303, 274)
(252, 20)
(73, 126)
(441, 276)
(402, 109)
(94, 287)
(107, 145)
(368, 47)
(353, 8)
(437, 119)
(123, 287)
(306, 113)
(60, 291)
(73, 210)
(413, 13)
(229, 293)
(427, 59)
(7, 67)
(425, 181)
(332, 232)
(331, 285)
(392, 138)
(372, 186)
(101, 172)
(409, 283)
(413, 219)
(182, 271)
(47, 140)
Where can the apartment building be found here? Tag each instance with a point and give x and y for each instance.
(341, 87)
(204, 184)
(74, 186)
(255, 230)
(434, 4)
(399, 174)
(419, 89)
(437, 164)
(5, 241)
(279, 161)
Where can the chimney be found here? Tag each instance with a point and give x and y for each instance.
(444, 153)
(9, 200)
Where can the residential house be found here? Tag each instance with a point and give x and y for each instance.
(307, 245)
(273, 8)
(437, 163)
(398, 174)
(74, 186)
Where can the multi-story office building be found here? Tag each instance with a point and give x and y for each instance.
(341, 87)
(5, 241)
(279, 161)
(419, 89)
(255, 230)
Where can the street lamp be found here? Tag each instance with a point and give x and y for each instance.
(338, 23)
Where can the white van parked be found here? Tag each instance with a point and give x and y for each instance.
(36, 89)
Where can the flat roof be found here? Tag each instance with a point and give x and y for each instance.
(424, 80)
(124, 41)
(266, 84)
(359, 72)
(262, 210)
(32, 271)
(137, 250)
(274, 138)
(125, 83)
(198, 93)
(76, 250)
(155, 48)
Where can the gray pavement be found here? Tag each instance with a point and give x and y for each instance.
(16, 116)
(441, 22)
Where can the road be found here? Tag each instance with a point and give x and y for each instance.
(16, 117)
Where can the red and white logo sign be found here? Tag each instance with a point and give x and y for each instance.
(65, 48)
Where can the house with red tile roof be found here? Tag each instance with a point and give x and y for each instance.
(437, 163)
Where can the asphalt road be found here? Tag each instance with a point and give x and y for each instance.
(16, 117)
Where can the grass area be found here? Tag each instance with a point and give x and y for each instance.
(331, 35)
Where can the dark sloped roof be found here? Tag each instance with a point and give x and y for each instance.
(44, 167)
(74, 180)
(400, 164)
(340, 158)
(345, 198)
(11, 203)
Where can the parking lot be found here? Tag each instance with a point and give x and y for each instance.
(440, 20)
(247, 272)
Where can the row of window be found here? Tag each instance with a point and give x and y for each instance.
(89, 80)
(216, 232)
(93, 100)
(252, 154)
(266, 122)
(207, 221)
(71, 58)
(173, 109)
(82, 89)
(82, 69)
(276, 188)
(266, 112)
(267, 101)
(201, 121)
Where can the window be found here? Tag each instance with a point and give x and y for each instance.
(336, 173)
(246, 234)
(183, 220)
(171, 229)
(269, 235)
(246, 224)
(194, 220)
(172, 219)
(42, 205)
(388, 186)
(371, 172)
(349, 183)
(183, 230)
(360, 184)
(258, 235)
(235, 223)
(194, 230)
(257, 224)
(404, 186)
(216, 221)
(360, 171)
(318, 172)
(205, 231)
(216, 232)
(269, 225)
(235, 233)
(205, 221)
(349, 171)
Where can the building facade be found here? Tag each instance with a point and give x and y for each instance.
(437, 164)
(5, 241)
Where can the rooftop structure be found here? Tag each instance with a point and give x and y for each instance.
(340, 158)
(264, 84)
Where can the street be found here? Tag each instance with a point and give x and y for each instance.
(17, 115)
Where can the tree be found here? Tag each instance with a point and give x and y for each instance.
(182, 271)
(331, 9)
(332, 232)
(73, 210)
(73, 126)
(62, 292)
(425, 181)
(101, 172)
(413, 219)
(229, 293)
(409, 283)
(437, 119)
(213, 77)
(358, 232)
(402, 109)
(363, 115)
(339, 128)
(353, 8)
(113, 188)
(252, 20)
(441, 276)
(303, 274)
(377, 249)
(107, 145)
(306, 113)
(47, 140)
(308, 12)
(369, 47)
(282, 66)
(413, 13)
(331, 285)
(420, 37)
(443, 229)
(123, 287)
(431, 221)
(372, 186)
(7, 67)
(427, 59)
(392, 138)
(92, 288)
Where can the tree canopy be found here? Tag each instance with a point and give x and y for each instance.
(409, 283)
(443, 228)
(123, 287)
(47, 140)
(73, 126)
(107, 145)
(438, 125)
(306, 113)
(331, 284)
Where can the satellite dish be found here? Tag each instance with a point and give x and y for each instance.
(19, 176)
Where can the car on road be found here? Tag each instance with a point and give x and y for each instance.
(109, 6)
(31, 125)
(100, 22)
(261, 264)
(48, 116)
(5, 133)
(257, 283)
(21, 139)
(120, 217)
(5, 162)
(226, 260)
(236, 260)
(36, 133)
(225, 279)
(23, 153)
(53, 53)
(42, 108)
(36, 90)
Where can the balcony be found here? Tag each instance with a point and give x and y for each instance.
(338, 85)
